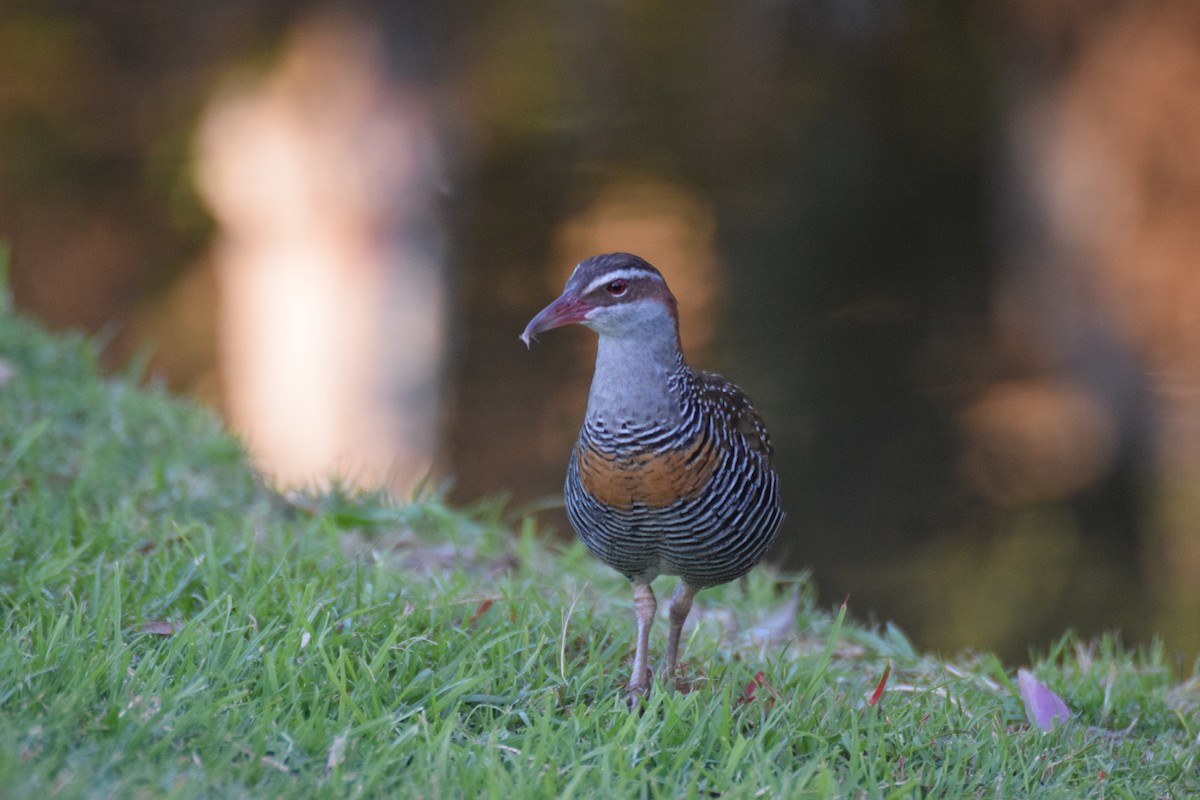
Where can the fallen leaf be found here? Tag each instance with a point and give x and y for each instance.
(337, 753)
(161, 627)
(1043, 707)
(748, 694)
(479, 612)
(878, 693)
(150, 545)
(779, 626)
(768, 696)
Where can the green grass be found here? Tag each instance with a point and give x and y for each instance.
(172, 629)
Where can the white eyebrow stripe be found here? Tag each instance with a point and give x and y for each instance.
(619, 274)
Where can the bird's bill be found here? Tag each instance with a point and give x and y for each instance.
(566, 309)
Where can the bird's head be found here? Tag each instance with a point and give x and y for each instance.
(615, 294)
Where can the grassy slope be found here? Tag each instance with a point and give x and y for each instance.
(171, 629)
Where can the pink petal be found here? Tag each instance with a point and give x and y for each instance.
(1043, 707)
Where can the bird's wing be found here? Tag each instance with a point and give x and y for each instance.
(733, 412)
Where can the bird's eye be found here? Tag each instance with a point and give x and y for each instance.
(617, 287)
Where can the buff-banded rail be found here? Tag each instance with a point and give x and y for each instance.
(671, 474)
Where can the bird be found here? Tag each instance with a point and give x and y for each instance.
(672, 471)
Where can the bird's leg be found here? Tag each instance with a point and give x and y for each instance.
(644, 606)
(681, 606)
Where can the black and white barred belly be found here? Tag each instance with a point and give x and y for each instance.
(698, 499)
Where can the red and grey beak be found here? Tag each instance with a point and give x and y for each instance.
(566, 309)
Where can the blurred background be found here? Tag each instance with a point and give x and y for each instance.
(952, 250)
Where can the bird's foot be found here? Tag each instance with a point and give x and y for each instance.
(637, 690)
(635, 696)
